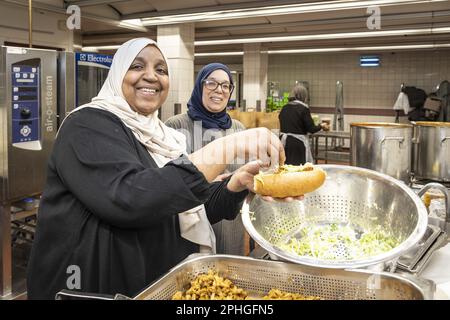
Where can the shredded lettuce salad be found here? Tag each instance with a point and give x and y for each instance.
(338, 242)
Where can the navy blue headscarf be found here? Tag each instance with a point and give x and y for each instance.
(196, 109)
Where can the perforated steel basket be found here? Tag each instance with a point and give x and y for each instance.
(258, 277)
(351, 196)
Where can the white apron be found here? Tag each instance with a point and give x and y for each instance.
(303, 138)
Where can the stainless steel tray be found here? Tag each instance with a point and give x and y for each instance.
(257, 277)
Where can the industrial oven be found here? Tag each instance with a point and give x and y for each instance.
(80, 77)
(28, 125)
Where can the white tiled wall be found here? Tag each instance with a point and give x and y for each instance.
(363, 87)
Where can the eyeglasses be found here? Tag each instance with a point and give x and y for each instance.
(212, 85)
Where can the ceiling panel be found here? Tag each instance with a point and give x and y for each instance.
(259, 32)
(233, 22)
(256, 2)
(228, 60)
(133, 6)
(114, 38)
(102, 11)
(164, 5)
(355, 43)
(360, 42)
(421, 15)
(57, 3)
(424, 6)
(95, 26)
(321, 16)
(220, 48)
(199, 35)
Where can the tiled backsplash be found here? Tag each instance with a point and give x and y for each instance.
(369, 87)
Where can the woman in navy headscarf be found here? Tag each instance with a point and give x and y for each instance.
(206, 120)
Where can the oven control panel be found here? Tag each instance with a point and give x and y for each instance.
(25, 86)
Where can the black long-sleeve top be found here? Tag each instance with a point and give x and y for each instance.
(108, 211)
(296, 118)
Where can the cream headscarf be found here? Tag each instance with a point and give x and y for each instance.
(163, 143)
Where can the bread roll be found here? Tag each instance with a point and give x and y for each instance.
(289, 181)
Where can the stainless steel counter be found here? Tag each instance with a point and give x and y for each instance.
(333, 150)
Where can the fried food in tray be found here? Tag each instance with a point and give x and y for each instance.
(211, 286)
(276, 294)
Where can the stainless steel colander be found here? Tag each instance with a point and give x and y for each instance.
(352, 196)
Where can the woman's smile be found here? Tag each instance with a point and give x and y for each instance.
(148, 91)
(216, 100)
(146, 83)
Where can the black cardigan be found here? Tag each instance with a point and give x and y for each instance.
(108, 211)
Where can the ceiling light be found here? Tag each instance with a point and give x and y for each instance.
(212, 54)
(324, 50)
(131, 22)
(286, 51)
(365, 34)
(375, 48)
(272, 11)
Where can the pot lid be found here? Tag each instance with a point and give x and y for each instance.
(380, 125)
(432, 124)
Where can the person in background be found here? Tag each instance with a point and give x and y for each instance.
(206, 120)
(295, 123)
(124, 202)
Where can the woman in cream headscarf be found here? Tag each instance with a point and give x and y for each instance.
(123, 202)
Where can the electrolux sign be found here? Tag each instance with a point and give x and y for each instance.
(93, 59)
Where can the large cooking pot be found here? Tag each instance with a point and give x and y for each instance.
(383, 147)
(431, 158)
